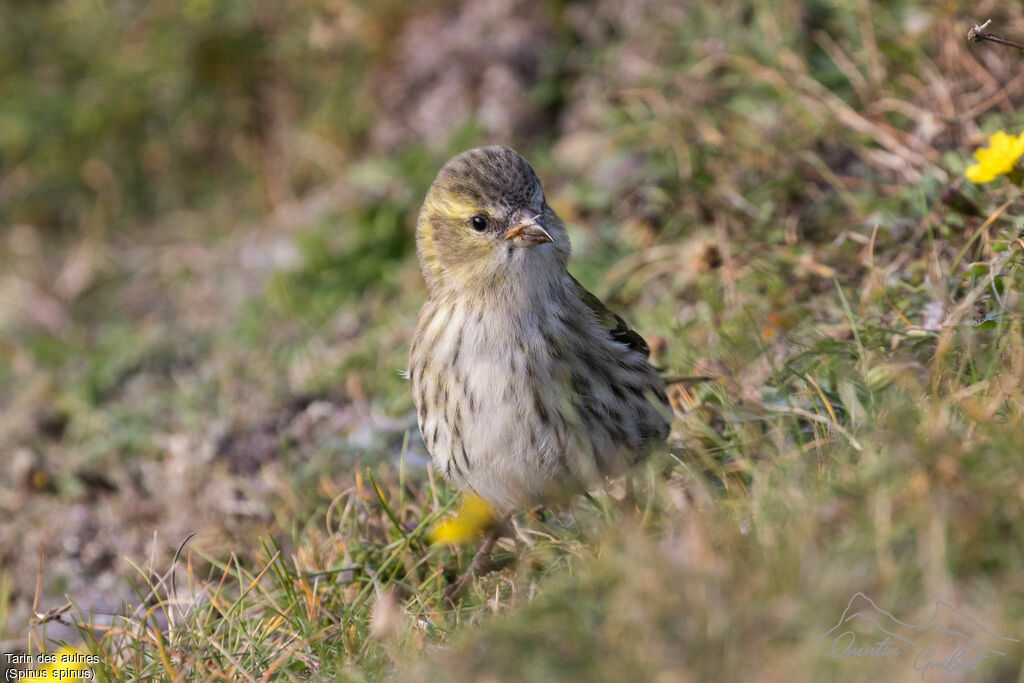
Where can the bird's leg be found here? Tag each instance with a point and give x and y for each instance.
(630, 499)
(480, 565)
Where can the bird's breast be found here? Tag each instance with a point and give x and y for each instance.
(486, 383)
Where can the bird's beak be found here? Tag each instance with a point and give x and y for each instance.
(528, 232)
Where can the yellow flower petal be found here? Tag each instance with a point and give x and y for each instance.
(474, 516)
(999, 158)
(979, 174)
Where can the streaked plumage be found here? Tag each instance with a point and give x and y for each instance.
(526, 385)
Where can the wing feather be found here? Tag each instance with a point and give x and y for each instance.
(614, 324)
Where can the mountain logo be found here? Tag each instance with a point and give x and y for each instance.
(948, 641)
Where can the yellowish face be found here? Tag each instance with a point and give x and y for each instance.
(483, 213)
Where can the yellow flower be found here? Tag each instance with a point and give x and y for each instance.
(999, 158)
(475, 515)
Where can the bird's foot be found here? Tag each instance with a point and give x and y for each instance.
(480, 565)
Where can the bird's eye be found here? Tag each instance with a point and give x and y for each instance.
(479, 223)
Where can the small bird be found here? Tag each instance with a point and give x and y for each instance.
(526, 386)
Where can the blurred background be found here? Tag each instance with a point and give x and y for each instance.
(208, 278)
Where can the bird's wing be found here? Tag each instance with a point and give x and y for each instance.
(612, 323)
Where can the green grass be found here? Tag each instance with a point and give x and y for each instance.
(212, 344)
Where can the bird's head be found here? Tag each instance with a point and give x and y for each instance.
(485, 220)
